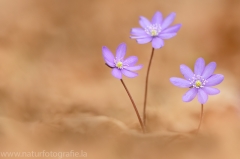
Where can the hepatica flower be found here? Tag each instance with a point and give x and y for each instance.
(118, 64)
(200, 82)
(155, 31)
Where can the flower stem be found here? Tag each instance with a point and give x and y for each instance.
(146, 88)
(201, 117)
(134, 106)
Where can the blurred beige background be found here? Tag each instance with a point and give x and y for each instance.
(56, 94)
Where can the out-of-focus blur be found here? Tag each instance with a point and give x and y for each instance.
(57, 95)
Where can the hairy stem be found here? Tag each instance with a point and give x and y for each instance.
(134, 106)
(146, 89)
(201, 118)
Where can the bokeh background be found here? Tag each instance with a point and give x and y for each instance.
(56, 94)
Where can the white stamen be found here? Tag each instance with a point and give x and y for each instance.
(153, 29)
(197, 81)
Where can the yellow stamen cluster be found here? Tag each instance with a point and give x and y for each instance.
(154, 32)
(198, 83)
(119, 65)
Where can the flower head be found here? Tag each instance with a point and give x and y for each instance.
(200, 82)
(118, 64)
(156, 30)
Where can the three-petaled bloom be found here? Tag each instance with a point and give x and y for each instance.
(156, 30)
(118, 64)
(200, 82)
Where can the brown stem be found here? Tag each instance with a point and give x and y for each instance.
(200, 118)
(146, 89)
(134, 106)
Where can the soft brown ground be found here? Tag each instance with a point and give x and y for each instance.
(56, 94)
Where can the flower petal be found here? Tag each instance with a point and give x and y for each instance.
(134, 68)
(138, 31)
(167, 35)
(202, 96)
(131, 60)
(140, 36)
(157, 43)
(108, 56)
(168, 20)
(173, 29)
(210, 90)
(144, 22)
(116, 73)
(186, 72)
(179, 82)
(214, 80)
(199, 66)
(209, 69)
(157, 18)
(121, 51)
(144, 40)
(190, 95)
(129, 74)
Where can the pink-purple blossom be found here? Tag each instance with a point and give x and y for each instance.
(200, 82)
(118, 64)
(155, 31)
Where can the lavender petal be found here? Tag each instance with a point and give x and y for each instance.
(211, 91)
(168, 20)
(199, 66)
(209, 69)
(186, 72)
(179, 82)
(173, 29)
(134, 68)
(129, 74)
(140, 36)
(144, 40)
(121, 51)
(214, 80)
(138, 31)
(157, 18)
(144, 22)
(167, 35)
(131, 60)
(157, 43)
(190, 95)
(202, 96)
(108, 56)
(116, 73)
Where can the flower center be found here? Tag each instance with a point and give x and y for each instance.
(154, 32)
(119, 64)
(153, 29)
(197, 81)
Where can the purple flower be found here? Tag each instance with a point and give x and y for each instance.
(200, 82)
(118, 64)
(156, 30)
